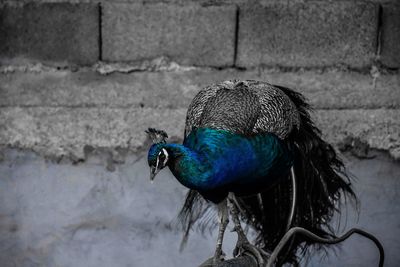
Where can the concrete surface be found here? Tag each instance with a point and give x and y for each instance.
(267, 32)
(390, 54)
(58, 113)
(59, 132)
(175, 89)
(83, 215)
(61, 32)
(190, 34)
(308, 34)
(66, 131)
(86, 88)
(378, 128)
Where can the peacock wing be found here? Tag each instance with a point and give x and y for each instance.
(244, 107)
(196, 107)
(234, 110)
(278, 113)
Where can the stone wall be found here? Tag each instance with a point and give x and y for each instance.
(357, 34)
(343, 55)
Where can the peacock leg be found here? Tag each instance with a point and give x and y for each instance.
(243, 243)
(223, 219)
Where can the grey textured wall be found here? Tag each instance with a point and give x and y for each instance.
(58, 214)
(80, 81)
(205, 33)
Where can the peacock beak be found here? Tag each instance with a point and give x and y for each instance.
(153, 173)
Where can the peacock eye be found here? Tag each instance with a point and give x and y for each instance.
(162, 157)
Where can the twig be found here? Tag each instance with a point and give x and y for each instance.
(247, 260)
(299, 230)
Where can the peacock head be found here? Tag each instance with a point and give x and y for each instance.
(158, 154)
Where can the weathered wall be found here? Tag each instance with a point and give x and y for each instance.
(59, 113)
(58, 214)
(80, 81)
(357, 34)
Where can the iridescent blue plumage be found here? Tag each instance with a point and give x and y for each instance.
(215, 162)
(239, 164)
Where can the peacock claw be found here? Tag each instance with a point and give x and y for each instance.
(244, 247)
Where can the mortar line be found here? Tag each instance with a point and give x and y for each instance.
(379, 33)
(5, 69)
(130, 107)
(236, 41)
(100, 20)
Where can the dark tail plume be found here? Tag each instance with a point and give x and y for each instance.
(321, 182)
(196, 210)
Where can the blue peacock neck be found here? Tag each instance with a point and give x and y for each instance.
(188, 166)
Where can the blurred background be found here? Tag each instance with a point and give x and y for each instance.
(80, 82)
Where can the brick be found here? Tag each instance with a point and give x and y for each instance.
(50, 32)
(327, 90)
(308, 34)
(379, 128)
(390, 38)
(63, 131)
(190, 34)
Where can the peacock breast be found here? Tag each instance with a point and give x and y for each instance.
(234, 159)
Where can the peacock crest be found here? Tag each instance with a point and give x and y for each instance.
(157, 136)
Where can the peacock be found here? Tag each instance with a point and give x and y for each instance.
(251, 148)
